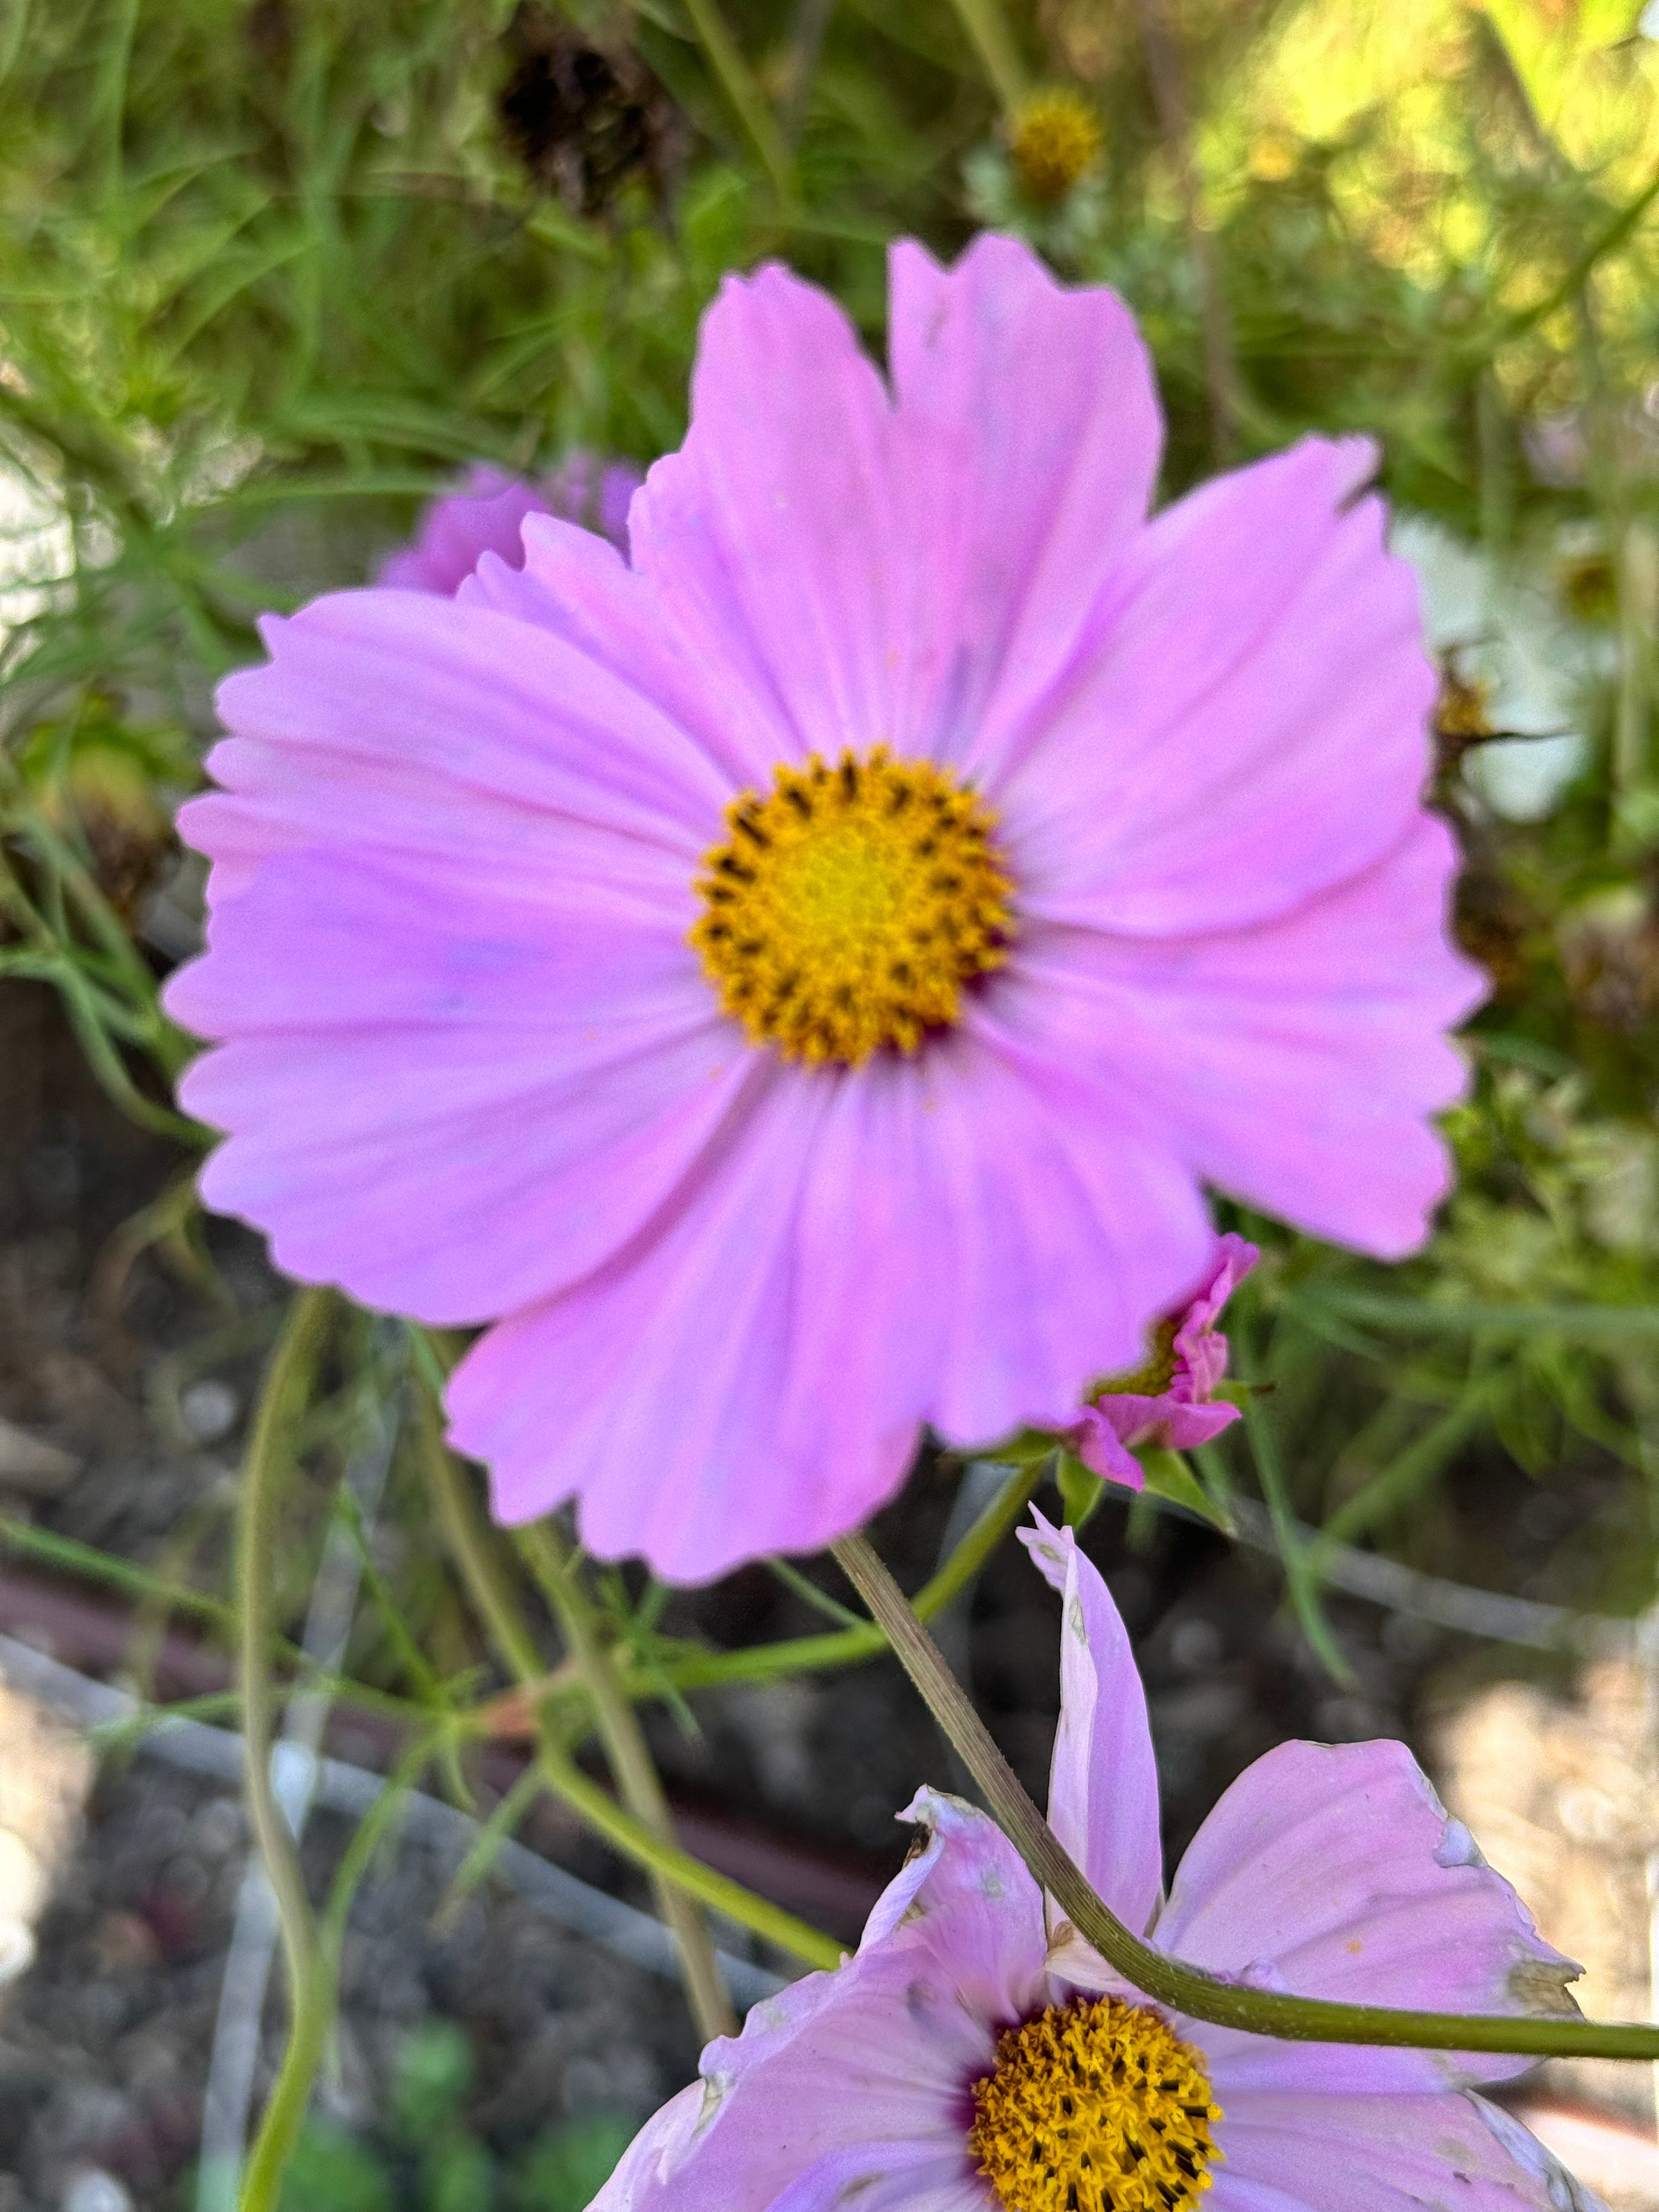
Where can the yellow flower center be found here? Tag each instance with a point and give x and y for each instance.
(851, 905)
(1056, 141)
(1095, 2108)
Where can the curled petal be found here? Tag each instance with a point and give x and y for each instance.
(1102, 1790)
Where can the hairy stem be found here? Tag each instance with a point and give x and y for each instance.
(629, 1759)
(1188, 1989)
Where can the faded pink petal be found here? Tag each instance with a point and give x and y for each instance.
(1333, 1871)
(1383, 2153)
(486, 514)
(859, 2073)
(1103, 1789)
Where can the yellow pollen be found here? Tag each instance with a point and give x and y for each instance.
(1056, 142)
(1462, 711)
(851, 905)
(1153, 1375)
(1095, 2108)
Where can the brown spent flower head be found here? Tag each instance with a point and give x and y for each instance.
(1056, 142)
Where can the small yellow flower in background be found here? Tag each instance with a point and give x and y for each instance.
(1056, 142)
(1272, 157)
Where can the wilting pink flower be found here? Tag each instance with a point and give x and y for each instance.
(1170, 1400)
(974, 2055)
(485, 514)
(796, 985)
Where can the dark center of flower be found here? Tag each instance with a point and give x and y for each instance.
(851, 905)
(1095, 2108)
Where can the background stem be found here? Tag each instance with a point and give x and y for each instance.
(491, 1591)
(287, 1384)
(630, 1761)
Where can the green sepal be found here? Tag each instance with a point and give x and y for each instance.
(1168, 1477)
(1080, 1489)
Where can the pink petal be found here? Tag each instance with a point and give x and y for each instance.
(1247, 725)
(578, 588)
(1121, 1419)
(1029, 433)
(667, 1391)
(1295, 1065)
(483, 517)
(1103, 1789)
(486, 514)
(1059, 1225)
(455, 731)
(1096, 1443)
(1198, 1344)
(913, 574)
(864, 2075)
(1333, 1871)
(450, 1100)
(1289, 2153)
(776, 536)
(958, 1239)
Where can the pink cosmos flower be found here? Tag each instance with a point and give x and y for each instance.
(975, 2056)
(794, 981)
(486, 512)
(1168, 1401)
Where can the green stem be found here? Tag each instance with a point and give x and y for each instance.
(287, 1384)
(1298, 1573)
(737, 82)
(1579, 1324)
(1168, 1981)
(987, 35)
(631, 1764)
(717, 1891)
(1399, 1482)
(846, 1647)
(492, 1592)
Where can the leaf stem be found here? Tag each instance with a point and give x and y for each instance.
(1170, 1981)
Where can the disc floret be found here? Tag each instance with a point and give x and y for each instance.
(1095, 2107)
(851, 905)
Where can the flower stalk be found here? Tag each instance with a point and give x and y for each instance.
(1168, 1981)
